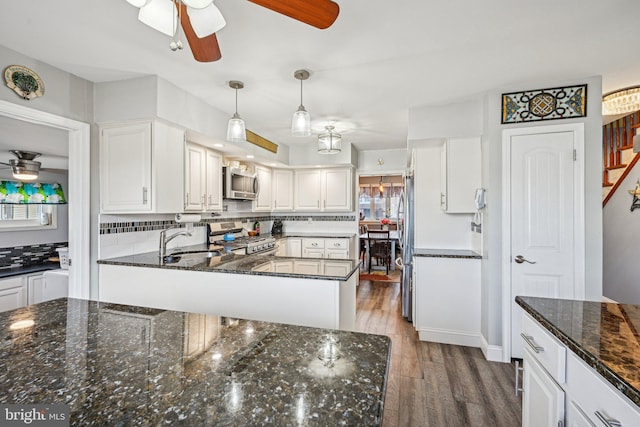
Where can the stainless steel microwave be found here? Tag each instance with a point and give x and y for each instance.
(239, 184)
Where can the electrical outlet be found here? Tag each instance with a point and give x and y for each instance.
(309, 220)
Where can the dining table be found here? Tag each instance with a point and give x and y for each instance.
(394, 236)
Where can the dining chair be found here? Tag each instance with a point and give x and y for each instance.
(363, 243)
(379, 247)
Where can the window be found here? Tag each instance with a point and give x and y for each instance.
(375, 204)
(15, 217)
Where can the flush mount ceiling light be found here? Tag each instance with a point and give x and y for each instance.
(621, 101)
(301, 122)
(236, 131)
(24, 167)
(329, 142)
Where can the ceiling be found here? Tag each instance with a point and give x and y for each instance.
(377, 61)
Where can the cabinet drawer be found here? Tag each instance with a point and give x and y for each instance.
(313, 243)
(595, 394)
(336, 243)
(551, 353)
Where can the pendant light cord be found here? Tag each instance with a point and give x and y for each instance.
(301, 104)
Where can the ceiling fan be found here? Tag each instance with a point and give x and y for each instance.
(24, 167)
(201, 19)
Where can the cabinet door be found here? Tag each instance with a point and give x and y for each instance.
(312, 253)
(294, 247)
(283, 266)
(336, 268)
(542, 398)
(282, 190)
(337, 190)
(337, 254)
(263, 200)
(307, 189)
(36, 289)
(463, 174)
(281, 247)
(13, 294)
(125, 168)
(213, 184)
(194, 177)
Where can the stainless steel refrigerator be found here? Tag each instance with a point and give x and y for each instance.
(405, 233)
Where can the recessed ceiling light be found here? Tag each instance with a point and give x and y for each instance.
(250, 156)
(218, 145)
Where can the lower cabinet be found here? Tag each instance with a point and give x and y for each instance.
(314, 247)
(13, 293)
(559, 388)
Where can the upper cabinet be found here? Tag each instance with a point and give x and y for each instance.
(141, 168)
(323, 190)
(460, 174)
(263, 199)
(282, 187)
(202, 179)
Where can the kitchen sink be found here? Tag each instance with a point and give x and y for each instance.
(190, 256)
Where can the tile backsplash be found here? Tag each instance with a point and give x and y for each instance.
(22, 256)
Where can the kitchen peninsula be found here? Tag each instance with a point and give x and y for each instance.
(300, 291)
(124, 365)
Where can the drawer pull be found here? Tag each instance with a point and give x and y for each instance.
(529, 340)
(609, 422)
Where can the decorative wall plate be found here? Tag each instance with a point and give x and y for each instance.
(24, 81)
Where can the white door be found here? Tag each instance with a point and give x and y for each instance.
(543, 214)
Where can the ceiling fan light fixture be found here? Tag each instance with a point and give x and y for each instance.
(205, 21)
(197, 4)
(24, 167)
(236, 130)
(301, 122)
(329, 142)
(161, 15)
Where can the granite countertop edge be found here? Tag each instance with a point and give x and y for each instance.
(6, 272)
(208, 269)
(593, 361)
(313, 235)
(446, 253)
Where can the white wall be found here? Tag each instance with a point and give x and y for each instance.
(622, 243)
(461, 119)
(306, 154)
(394, 161)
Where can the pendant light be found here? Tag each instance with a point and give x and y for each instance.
(301, 122)
(621, 101)
(236, 131)
(329, 142)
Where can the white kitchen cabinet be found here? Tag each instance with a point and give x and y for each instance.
(325, 248)
(283, 266)
(555, 374)
(335, 268)
(323, 190)
(460, 174)
(543, 398)
(36, 288)
(202, 179)
(442, 283)
(281, 247)
(282, 187)
(307, 267)
(264, 198)
(294, 247)
(141, 168)
(13, 293)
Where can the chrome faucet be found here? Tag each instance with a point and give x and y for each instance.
(164, 239)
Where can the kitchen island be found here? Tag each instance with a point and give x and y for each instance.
(600, 375)
(124, 365)
(301, 291)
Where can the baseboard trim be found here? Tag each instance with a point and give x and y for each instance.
(493, 353)
(444, 336)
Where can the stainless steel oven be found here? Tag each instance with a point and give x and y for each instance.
(239, 184)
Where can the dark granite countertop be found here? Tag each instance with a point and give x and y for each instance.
(259, 265)
(604, 335)
(446, 253)
(17, 271)
(123, 365)
(319, 235)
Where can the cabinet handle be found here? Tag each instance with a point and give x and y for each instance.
(209, 198)
(518, 370)
(144, 195)
(318, 204)
(204, 199)
(529, 340)
(609, 422)
(314, 244)
(441, 199)
(186, 199)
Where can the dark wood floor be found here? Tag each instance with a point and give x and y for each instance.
(432, 384)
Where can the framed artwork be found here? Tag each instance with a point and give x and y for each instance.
(544, 104)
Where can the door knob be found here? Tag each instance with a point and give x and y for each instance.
(520, 259)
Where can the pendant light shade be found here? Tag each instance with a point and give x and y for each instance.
(236, 131)
(301, 122)
(329, 142)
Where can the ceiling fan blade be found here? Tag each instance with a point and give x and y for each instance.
(204, 49)
(317, 13)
